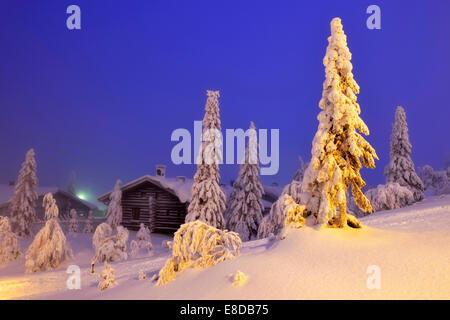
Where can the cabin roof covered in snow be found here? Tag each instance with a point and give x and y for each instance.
(7, 192)
(181, 188)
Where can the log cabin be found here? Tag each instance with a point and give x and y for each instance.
(161, 202)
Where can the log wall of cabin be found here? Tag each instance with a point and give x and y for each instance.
(166, 215)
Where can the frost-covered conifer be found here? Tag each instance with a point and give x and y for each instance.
(89, 226)
(247, 208)
(389, 196)
(401, 167)
(9, 246)
(338, 150)
(298, 175)
(208, 199)
(143, 241)
(107, 277)
(109, 247)
(73, 223)
(22, 206)
(114, 211)
(49, 248)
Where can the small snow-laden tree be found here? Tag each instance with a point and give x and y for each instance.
(390, 196)
(435, 182)
(114, 211)
(208, 199)
(143, 241)
(298, 175)
(273, 223)
(247, 207)
(109, 247)
(73, 222)
(199, 245)
(9, 246)
(49, 248)
(338, 150)
(107, 277)
(401, 167)
(89, 225)
(22, 205)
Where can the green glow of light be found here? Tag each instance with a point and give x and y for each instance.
(82, 196)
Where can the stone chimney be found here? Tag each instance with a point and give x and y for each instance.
(161, 170)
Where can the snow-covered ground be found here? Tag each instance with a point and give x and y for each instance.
(411, 246)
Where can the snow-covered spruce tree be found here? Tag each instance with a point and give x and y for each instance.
(49, 248)
(401, 168)
(231, 198)
(247, 208)
(337, 146)
(201, 246)
(22, 206)
(107, 277)
(143, 241)
(208, 199)
(9, 246)
(73, 223)
(298, 175)
(109, 247)
(114, 211)
(389, 196)
(89, 226)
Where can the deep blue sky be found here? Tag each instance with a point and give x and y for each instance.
(102, 101)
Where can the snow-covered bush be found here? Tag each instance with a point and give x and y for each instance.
(9, 246)
(49, 248)
(274, 222)
(109, 247)
(143, 241)
(246, 206)
(239, 279)
(114, 211)
(89, 226)
(166, 244)
(401, 167)
(390, 196)
(199, 245)
(107, 277)
(22, 205)
(339, 150)
(208, 199)
(142, 275)
(435, 182)
(284, 212)
(73, 223)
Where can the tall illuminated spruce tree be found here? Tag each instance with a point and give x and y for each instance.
(208, 199)
(338, 150)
